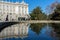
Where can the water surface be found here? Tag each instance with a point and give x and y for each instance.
(39, 31)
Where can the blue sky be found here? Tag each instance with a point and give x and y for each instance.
(34, 3)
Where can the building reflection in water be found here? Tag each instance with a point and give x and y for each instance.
(17, 30)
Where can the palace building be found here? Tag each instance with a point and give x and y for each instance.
(13, 11)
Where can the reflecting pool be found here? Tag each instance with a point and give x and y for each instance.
(36, 31)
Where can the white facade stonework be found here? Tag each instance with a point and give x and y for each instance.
(13, 11)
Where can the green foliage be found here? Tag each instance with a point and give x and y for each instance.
(37, 14)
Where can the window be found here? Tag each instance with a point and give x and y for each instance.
(10, 13)
(19, 18)
(0, 19)
(12, 19)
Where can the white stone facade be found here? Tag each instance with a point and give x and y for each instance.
(13, 11)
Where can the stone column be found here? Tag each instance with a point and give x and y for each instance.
(27, 10)
(21, 10)
(24, 10)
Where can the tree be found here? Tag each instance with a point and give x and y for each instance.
(37, 14)
(56, 14)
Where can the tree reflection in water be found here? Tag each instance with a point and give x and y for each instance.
(52, 30)
(56, 27)
(36, 27)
